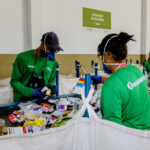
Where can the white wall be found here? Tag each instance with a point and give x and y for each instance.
(148, 27)
(11, 27)
(65, 18)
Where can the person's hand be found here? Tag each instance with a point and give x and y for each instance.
(96, 79)
(37, 93)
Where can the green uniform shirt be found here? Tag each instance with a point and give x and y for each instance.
(147, 66)
(125, 98)
(23, 68)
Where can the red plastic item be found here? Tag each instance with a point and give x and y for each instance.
(45, 105)
(13, 118)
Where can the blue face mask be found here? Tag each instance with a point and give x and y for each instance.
(50, 56)
(106, 70)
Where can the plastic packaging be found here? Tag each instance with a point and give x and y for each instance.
(63, 101)
(3, 129)
(2, 122)
(61, 107)
(17, 130)
(57, 113)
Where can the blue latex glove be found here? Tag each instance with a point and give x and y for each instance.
(96, 79)
(50, 56)
(37, 93)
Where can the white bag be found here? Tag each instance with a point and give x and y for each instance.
(64, 138)
(81, 134)
(96, 134)
(66, 84)
(6, 92)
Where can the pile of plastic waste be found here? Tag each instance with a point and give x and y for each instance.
(38, 116)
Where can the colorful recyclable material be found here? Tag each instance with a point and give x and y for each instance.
(61, 121)
(81, 82)
(33, 107)
(40, 122)
(19, 112)
(45, 105)
(17, 130)
(51, 120)
(36, 108)
(73, 100)
(57, 113)
(61, 107)
(32, 128)
(34, 117)
(47, 109)
(14, 119)
(63, 101)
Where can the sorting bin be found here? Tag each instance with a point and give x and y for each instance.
(6, 109)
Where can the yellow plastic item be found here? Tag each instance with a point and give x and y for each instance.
(37, 122)
(48, 92)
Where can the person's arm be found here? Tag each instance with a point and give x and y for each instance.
(17, 77)
(111, 104)
(52, 79)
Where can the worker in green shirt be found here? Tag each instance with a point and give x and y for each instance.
(147, 64)
(35, 69)
(125, 99)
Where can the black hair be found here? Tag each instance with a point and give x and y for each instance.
(116, 44)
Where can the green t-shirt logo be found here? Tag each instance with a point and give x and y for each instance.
(136, 83)
(130, 85)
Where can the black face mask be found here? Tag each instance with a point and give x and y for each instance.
(42, 53)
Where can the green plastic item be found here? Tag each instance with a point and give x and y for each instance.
(61, 121)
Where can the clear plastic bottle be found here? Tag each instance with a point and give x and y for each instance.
(2, 122)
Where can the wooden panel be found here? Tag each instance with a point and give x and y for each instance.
(66, 61)
(6, 64)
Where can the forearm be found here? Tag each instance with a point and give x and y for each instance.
(21, 89)
(112, 118)
(52, 80)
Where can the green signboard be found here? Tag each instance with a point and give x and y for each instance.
(96, 18)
